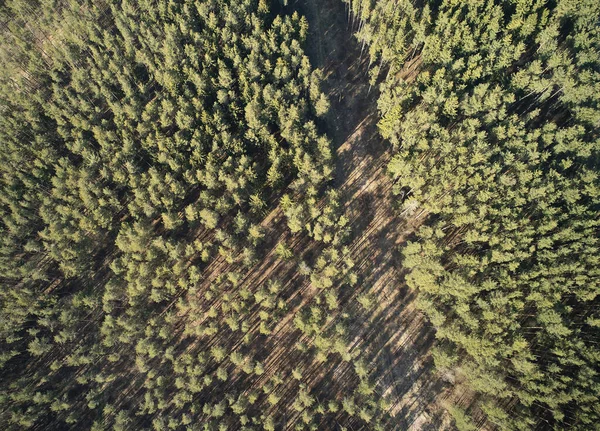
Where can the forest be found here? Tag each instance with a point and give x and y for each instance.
(299, 215)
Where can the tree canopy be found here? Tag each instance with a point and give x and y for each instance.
(492, 109)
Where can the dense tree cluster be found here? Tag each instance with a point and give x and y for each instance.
(493, 112)
(173, 255)
(143, 144)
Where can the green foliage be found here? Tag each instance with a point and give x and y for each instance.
(142, 142)
(461, 420)
(492, 111)
(283, 251)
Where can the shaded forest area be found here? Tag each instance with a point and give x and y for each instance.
(299, 215)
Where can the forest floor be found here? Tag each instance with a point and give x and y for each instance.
(397, 338)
